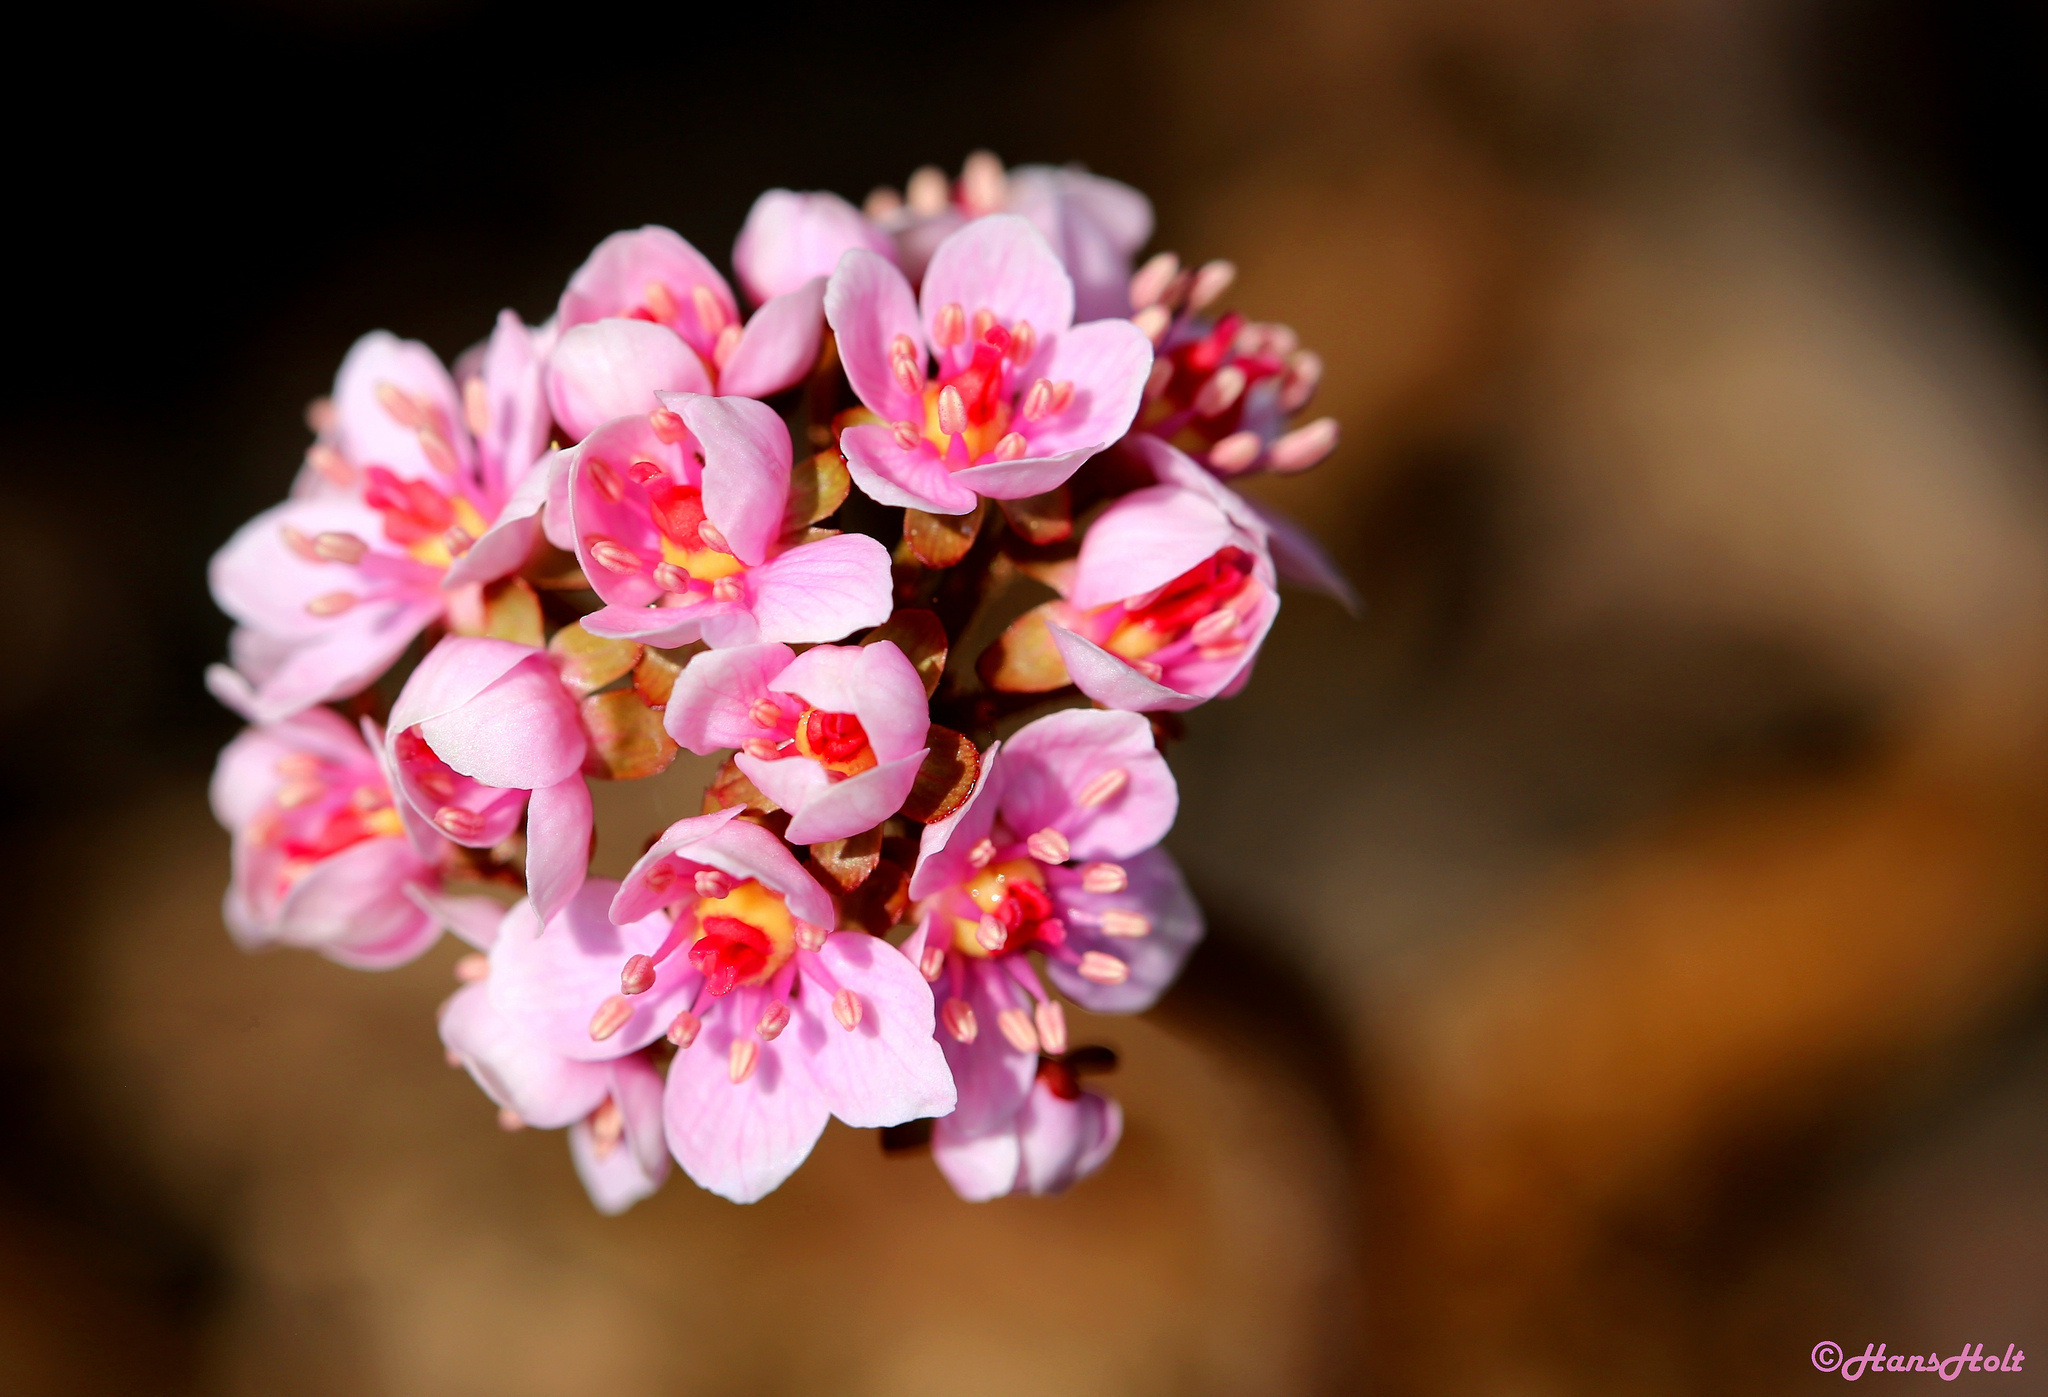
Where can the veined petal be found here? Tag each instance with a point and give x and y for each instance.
(790, 238)
(366, 430)
(845, 808)
(615, 281)
(779, 345)
(515, 1069)
(1004, 264)
(741, 1140)
(876, 683)
(711, 705)
(1111, 681)
(979, 1167)
(945, 846)
(1026, 475)
(552, 982)
(1145, 540)
(558, 824)
(868, 304)
(904, 477)
(613, 368)
(1107, 361)
(1062, 1142)
(520, 731)
(886, 1069)
(746, 468)
(1154, 889)
(821, 591)
(1050, 763)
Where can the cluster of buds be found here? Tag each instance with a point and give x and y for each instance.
(634, 529)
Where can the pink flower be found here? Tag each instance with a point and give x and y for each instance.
(1022, 396)
(1059, 1136)
(484, 732)
(1053, 852)
(331, 586)
(783, 1022)
(320, 857)
(835, 736)
(646, 313)
(679, 527)
(790, 238)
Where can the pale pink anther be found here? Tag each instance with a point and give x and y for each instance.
(610, 1017)
(476, 407)
(605, 481)
(1103, 788)
(726, 589)
(1151, 280)
(438, 784)
(1304, 446)
(472, 968)
(671, 578)
(765, 714)
(773, 1022)
(907, 435)
(984, 186)
(1102, 968)
(293, 794)
(637, 976)
(1236, 452)
(810, 936)
(1151, 669)
(710, 314)
(1051, 1019)
(984, 320)
(509, 1121)
(667, 426)
(1049, 846)
(932, 963)
(1062, 395)
(1304, 374)
(458, 823)
(614, 557)
(957, 1016)
(1118, 921)
(660, 876)
(952, 411)
(846, 1007)
(991, 934)
(928, 191)
(1104, 878)
(660, 300)
(607, 1127)
(369, 798)
(909, 377)
(765, 749)
(1221, 392)
(293, 764)
(331, 464)
(457, 539)
(440, 455)
(1010, 447)
(981, 853)
(684, 1028)
(1214, 627)
(740, 1064)
(1018, 1028)
(1038, 401)
(728, 344)
(713, 539)
(337, 547)
(1152, 322)
(301, 543)
(331, 603)
(882, 201)
(1210, 282)
(400, 406)
(1023, 343)
(712, 883)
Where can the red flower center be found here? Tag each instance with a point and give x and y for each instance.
(729, 951)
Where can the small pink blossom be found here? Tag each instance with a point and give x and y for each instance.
(331, 586)
(1021, 395)
(681, 533)
(483, 733)
(1053, 852)
(835, 736)
(790, 238)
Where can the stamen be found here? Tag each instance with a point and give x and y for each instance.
(660, 300)
(907, 436)
(1150, 669)
(606, 481)
(992, 934)
(1216, 626)
(957, 1015)
(671, 578)
(336, 547)
(713, 539)
(1221, 652)
(1211, 282)
(438, 784)
(927, 190)
(473, 968)
(712, 882)
(762, 748)
(607, 1127)
(949, 326)
(809, 935)
(1049, 846)
(644, 472)
(1118, 921)
(1011, 447)
(298, 792)
(1304, 374)
(1101, 968)
(740, 1065)
(1236, 452)
(331, 463)
(458, 540)
(952, 411)
(1103, 789)
(321, 416)
(984, 321)
(1023, 343)
(1039, 400)
(1221, 392)
(440, 455)
(1018, 1028)
(728, 344)
(638, 975)
(726, 589)
(710, 314)
(298, 764)
(610, 1017)
(301, 543)
(932, 963)
(1062, 395)
(773, 1022)
(1052, 1025)
(984, 187)
(508, 1120)
(846, 1007)
(614, 557)
(1104, 878)
(1152, 279)
(457, 823)
(982, 852)
(881, 202)
(476, 407)
(1304, 446)
(331, 603)
(1153, 321)
(400, 406)
(765, 713)
(684, 1028)
(660, 876)
(668, 427)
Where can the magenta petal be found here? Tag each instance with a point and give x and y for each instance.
(515, 1069)
(551, 983)
(790, 238)
(779, 345)
(1025, 476)
(1112, 682)
(903, 477)
(944, 847)
(1107, 361)
(1004, 264)
(746, 468)
(1157, 891)
(822, 591)
(740, 1141)
(518, 732)
(711, 705)
(365, 430)
(868, 304)
(245, 776)
(558, 823)
(1051, 761)
(1145, 540)
(1063, 1142)
(613, 368)
(845, 808)
(886, 1069)
(876, 683)
(979, 1167)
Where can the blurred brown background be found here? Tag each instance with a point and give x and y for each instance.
(1630, 951)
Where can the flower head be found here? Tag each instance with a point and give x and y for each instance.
(790, 238)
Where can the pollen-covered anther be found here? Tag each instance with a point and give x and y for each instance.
(1221, 392)
(1023, 343)
(457, 823)
(846, 1007)
(981, 853)
(713, 538)
(331, 464)
(610, 1017)
(932, 963)
(1102, 968)
(668, 427)
(605, 481)
(334, 546)
(1018, 1029)
(957, 1016)
(710, 314)
(766, 713)
(1104, 878)
(1052, 1026)
(1210, 283)
(952, 411)
(765, 749)
(1150, 281)
(712, 882)
(331, 603)
(949, 326)
(509, 1120)
(472, 968)
(1153, 321)
(728, 345)
(1010, 447)
(1118, 921)
(991, 934)
(684, 1028)
(1217, 626)
(1038, 400)
(726, 589)
(1104, 788)
(740, 1063)
(440, 455)
(1049, 846)
(1304, 374)
(809, 935)
(458, 540)
(1236, 452)
(671, 578)
(661, 302)
(907, 435)
(1304, 446)
(1151, 669)
(637, 976)
(773, 1021)
(614, 557)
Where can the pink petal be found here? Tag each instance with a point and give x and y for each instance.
(613, 281)
(613, 368)
(790, 238)
(979, 1167)
(558, 823)
(1094, 224)
(259, 580)
(245, 776)
(1145, 540)
(475, 919)
(792, 782)
(1005, 265)
(746, 468)
(740, 1141)
(733, 846)
(993, 1077)
(1062, 1142)
(1107, 361)
(660, 626)
(515, 391)
(453, 672)
(637, 897)
(1301, 560)
(861, 802)
(622, 515)
(1025, 476)
(779, 345)
(943, 848)
(346, 660)
(366, 432)
(886, 1069)
(868, 304)
(519, 732)
(551, 983)
(904, 477)
(876, 683)
(515, 1069)
(1112, 682)
(710, 707)
(357, 897)
(506, 545)
(1048, 763)
(822, 591)
(615, 1180)
(1155, 889)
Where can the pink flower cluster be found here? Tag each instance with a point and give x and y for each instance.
(626, 531)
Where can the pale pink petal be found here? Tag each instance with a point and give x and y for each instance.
(1145, 540)
(620, 512)
(614, 1178)
(845, 808)
(822, 591)
(1025, 476)
(234, 692)
(637, 897)
(637, 1088)
(1051, 762)
(868, 304)
(876, 683)
(943, 848)
(792, 782)
(358, 648)
(357, 897)
(613, 368)
(1063, 1142)
(979, 1167)
(515, 1069)
(1107, 361)
(992, 1077)
(746, 468)
(1004, 265)
(558, 823)
(475, 919)
(904, 477)
(551, 983)
(505, 546)
(520, 731)
(741, 1140)
(1112, 682)
(736, 847)
(919, 237)
(790, 238)
(427, 841)
(453, 672)
(1300, 559)
(711, 705)
(515, 391)
(664, 627)
(886, 1069)
(1157, 891)
(245, 776)
(779, 345)
(614, 281)
(1094, 224)
(368, 434)
(402, 945)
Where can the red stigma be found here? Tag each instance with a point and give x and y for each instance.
(1197, 592)
(678, 510)
(836, 737)
(729, 951)
(981, 382)
(413, 510)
